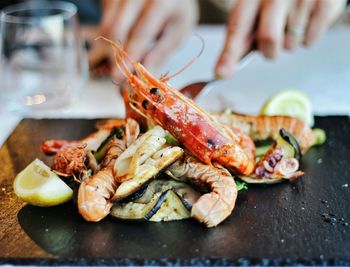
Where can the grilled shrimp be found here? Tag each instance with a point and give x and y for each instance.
(70, 160)
(52, 146)
(265, 127)
(246, 143)
(213, 207)
(73, 157)
(92, 142)
(197, 130)
(95, 192)
(110, 124)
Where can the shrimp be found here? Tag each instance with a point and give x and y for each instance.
(197, 130)
(110, 124)
(213, 207)
(73, 157)
(92, 141)
(70, 160)
(246, 143)
(131, 113)
(52, 146)
(95, 192)
(265, 127)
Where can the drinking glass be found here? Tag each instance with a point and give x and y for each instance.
(43, 64)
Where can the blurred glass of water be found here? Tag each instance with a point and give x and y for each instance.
(43, 63)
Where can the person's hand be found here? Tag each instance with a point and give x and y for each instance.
(272, 25)
(148, 29)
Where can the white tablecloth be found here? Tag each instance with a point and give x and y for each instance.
(101, 99)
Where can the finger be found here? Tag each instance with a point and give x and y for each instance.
(271, 26)
(318, 22)
(239, 27)
(325, 11)
(141, 34)
(297, 22)
(110, 10)
(119, 16)
(97, 52)
(172, 35)
(147, 27)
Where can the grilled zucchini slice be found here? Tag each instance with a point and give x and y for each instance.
(162, 200)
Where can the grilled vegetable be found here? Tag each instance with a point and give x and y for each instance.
(289, 144)
(241, 186)
(134, 211)
(171, 139)
(186, 192)
(101, 151)
(261, 150)
(163, 200)
(171, 208)
(255, 180)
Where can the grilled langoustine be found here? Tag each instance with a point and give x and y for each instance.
(95, 192)
(193, 127)
(267, 127)
(216, 205)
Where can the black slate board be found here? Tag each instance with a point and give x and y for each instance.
(271, 225)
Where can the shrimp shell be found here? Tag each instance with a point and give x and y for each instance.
(213, 207)
(95, 192)
(70, 159)
(266, 127)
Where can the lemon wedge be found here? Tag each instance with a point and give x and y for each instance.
(39, 186)
(290, 102)
(319, 136)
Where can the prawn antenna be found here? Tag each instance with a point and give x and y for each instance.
(131, 104)
(167, 78)
(117, 83)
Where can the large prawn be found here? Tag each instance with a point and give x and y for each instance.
(197, 130)
(266, 127)
(95, 192)
(215, 206)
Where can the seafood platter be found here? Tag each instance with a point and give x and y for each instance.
(171, 171)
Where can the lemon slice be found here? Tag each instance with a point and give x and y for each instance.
(319, 136)
(289, 102)
(39, 186)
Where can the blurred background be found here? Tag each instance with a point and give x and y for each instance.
(90, 11)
